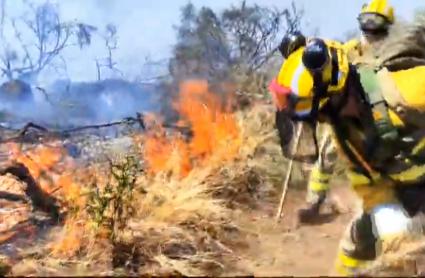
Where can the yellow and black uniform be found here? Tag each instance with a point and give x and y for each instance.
(374, 21)
(300, 81)
(294, 75)
(322, 172)
(385, 143)
(397, 176)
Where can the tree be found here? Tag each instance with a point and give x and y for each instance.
(242, 37)
(110, 39)
(201, 47)
(39, 40)
(234, 45)
(253, 30)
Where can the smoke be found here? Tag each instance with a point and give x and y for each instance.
(65, 93)
(69, 104)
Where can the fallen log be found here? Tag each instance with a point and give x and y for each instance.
(38, 198)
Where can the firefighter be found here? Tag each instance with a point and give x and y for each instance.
(379, 131)
(374, 20)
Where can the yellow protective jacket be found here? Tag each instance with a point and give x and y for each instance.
(404, 92)
(321, 173)
(353, 47)
(294, 75)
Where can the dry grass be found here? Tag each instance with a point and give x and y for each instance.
(407, 261)
(164, 225)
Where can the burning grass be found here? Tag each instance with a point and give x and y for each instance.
(167, 209)
(216, 134)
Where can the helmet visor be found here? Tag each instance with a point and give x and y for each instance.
(372, 22)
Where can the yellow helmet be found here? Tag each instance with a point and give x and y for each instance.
(295, 81)
(379, 7)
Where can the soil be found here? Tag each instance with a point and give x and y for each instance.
(288, 248)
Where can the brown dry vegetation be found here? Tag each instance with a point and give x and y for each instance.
(211, 214)
(207, 211)
(121, 218)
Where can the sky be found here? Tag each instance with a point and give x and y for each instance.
(145, 27)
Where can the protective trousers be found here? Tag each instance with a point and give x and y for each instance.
(382, 225)
(323, 168)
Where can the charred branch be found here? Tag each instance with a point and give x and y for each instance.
(13, 197)
(38, 198)
(32, 130)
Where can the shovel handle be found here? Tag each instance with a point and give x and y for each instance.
(288, 174)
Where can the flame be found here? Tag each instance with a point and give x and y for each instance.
(71, 190)
(216, 134)
(70, 239)
(39, 162)
(165, 154)
(52, 169)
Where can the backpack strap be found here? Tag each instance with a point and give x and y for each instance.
(373, 90)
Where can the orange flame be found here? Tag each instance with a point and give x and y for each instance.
(45, 161)
(52, 169)
(39, 161)
(163, 154)
(70, 240)
(216, 134)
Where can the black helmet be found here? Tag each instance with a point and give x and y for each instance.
(291, 42)
(315, 55)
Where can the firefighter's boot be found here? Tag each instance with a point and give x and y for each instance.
(312, 211)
